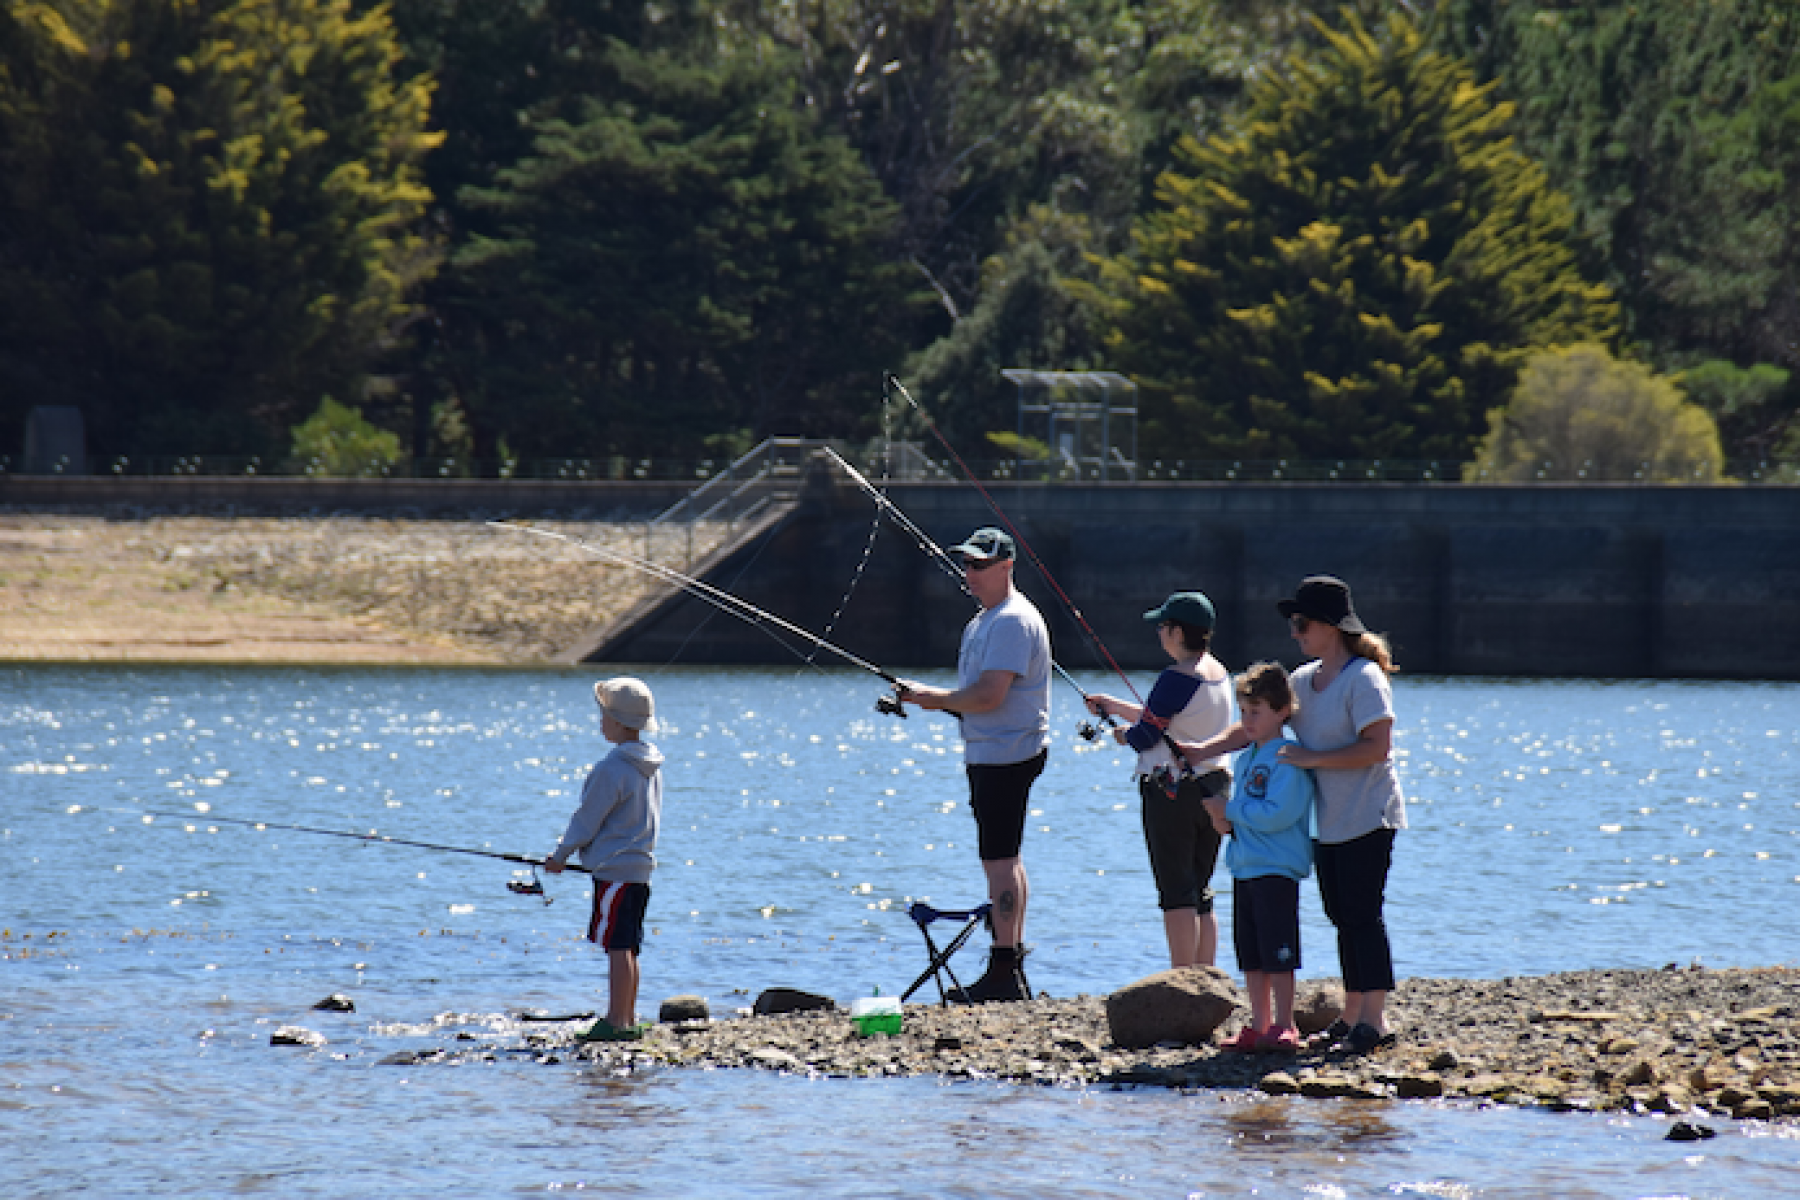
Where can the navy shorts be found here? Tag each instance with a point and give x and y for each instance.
(1000, 794)
(1183, 845)
(617, 922)
(1265, 923)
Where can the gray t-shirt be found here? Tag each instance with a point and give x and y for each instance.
(1351, 802)
(1011, 636)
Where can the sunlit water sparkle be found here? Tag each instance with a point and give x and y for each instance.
(1556, 825)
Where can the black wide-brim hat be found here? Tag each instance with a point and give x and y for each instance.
(1324, 598)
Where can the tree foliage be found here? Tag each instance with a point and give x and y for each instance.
(688, 255)
(339, 440)
(1356, 272)
(210, 212)
(1675, 128)
(1578, 414)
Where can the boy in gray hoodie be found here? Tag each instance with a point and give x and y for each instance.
(615, 830)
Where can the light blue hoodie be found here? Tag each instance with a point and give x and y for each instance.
(1270, 813)
(620, 815)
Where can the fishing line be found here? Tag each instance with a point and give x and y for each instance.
(862, 564)
(534, 888)
(894, 382)
(951, 567)
(723, 600)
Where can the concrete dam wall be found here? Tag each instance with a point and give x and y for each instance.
(1620, 582)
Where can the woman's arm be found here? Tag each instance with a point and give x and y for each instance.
(1373, 745)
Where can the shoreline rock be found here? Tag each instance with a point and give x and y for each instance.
(1674, 1041)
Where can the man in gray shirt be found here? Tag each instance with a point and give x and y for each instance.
(1003, 698)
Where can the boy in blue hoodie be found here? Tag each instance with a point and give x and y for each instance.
(1269, 818)
(615, 830)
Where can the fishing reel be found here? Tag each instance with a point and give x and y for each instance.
(532, 887)
(1088, 731)
(888, 704)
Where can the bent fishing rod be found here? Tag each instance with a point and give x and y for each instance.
(945, 561)
(534, 888)
(892, 381)
(726, 602)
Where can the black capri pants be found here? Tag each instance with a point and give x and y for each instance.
(1353, 885)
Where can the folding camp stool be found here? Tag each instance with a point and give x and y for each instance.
(923, 915)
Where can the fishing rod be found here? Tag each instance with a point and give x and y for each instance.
(725, 602)
(885, 504)
(893, 381)
(534, 888)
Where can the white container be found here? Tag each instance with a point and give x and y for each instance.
(876, 1014)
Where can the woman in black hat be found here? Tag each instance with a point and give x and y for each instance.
(1344, 721)
(1345, 724)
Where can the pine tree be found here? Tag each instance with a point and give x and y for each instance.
(690, 257)
(1356, 272)
(211, 213)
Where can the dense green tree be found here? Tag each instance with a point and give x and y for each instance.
(209, 213)
(1675, 128)
(1578, 414)
(1357, 272)
(688, 257)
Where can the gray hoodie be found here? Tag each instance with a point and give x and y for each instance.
(620, 815)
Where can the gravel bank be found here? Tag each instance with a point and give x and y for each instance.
(1673, 1040)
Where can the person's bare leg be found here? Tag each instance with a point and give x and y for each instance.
(1007, 890)
(622, 980)
(1181, 926)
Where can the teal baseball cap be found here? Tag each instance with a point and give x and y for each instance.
(1190, 608)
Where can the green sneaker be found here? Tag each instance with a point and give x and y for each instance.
(605, 1031)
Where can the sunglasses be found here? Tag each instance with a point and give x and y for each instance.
(978, 564)
(1299, 623)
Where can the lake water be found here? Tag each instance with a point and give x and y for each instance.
(1555, 826)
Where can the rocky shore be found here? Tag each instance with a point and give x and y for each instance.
(1679, 1041)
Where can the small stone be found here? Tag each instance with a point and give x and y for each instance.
(948, 1041)
(1316, 1006)
(1688, 1131)
(1279, 1083)
(295, 1035)
(1638, 1074)
(1754, 1110)
(775, 1001)
(1418, 1086)
(1618, 1045)
(775, 1060)
(1444, 1060)
(336, 1002)
(683, 1008)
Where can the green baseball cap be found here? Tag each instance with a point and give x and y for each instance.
(1190, 608)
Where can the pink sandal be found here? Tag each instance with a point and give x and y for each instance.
(1247, 1041)
(1279, 1039)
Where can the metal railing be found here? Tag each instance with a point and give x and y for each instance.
(908, 462)
(742, 490)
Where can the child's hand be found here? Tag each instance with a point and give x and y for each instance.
(1119, 732)
(552, 866)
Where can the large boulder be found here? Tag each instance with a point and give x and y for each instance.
(1185, 1005)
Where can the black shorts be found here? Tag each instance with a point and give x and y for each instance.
(1183, 845)
(999, 794)
(617, 921)
(1265, 923)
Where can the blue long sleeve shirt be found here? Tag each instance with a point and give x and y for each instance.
(1270, 813)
